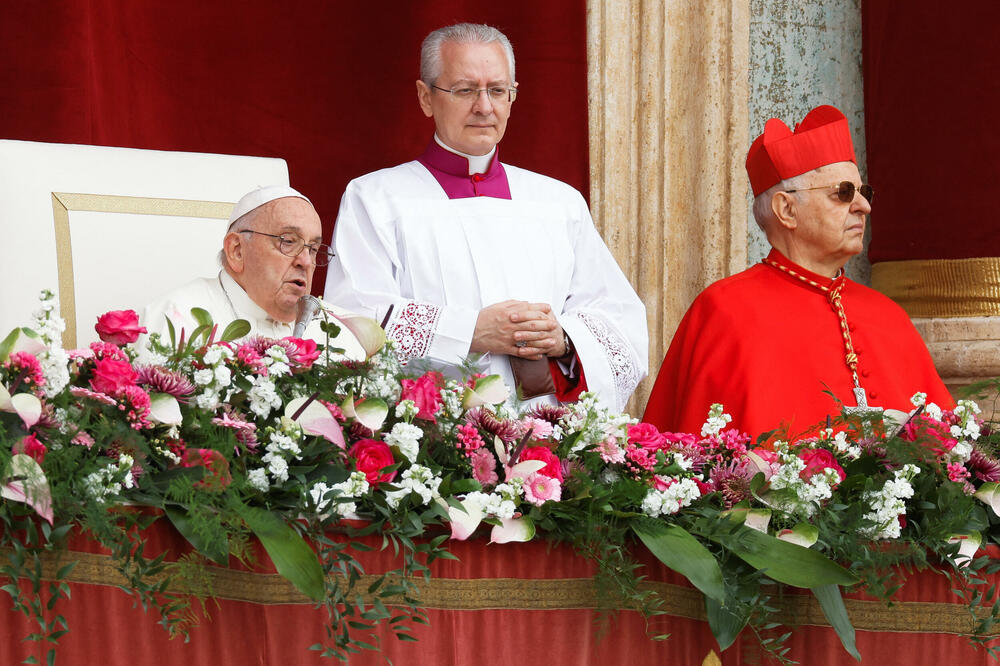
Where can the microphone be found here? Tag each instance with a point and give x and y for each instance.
(307, 306)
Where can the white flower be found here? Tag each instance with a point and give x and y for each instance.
(257, 478)
(263, 397)
(717, 420)
(676, 496)
(407, 438)
(204, 377)
(280, 444)
(277, 466)
(406, 409)
(223, 376)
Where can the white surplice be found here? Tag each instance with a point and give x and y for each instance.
(400, 241)
(225, 300)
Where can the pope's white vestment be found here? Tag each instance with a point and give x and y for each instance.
(225, 300)
(402, 242)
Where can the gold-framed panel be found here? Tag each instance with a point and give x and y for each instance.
(64, 202)
(942, 287)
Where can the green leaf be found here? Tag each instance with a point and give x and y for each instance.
(679, 550)
(202, 316)
(292, 556)
(8, 344)
(783, 561)
(833, 608)
(724, 623)
(216, 550)
(238, 328)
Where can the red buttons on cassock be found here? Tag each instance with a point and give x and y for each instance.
(851, 327)
(873, 394)
(478, 177)
(865, 373)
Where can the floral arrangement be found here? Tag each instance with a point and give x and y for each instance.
(228, 436)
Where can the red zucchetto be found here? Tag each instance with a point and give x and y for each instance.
(821, 138)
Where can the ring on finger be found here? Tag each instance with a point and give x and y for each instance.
(521, 343)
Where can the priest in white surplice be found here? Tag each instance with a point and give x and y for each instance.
(459, 253)
(269, 254)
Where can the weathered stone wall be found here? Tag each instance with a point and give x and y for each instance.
(804, 53)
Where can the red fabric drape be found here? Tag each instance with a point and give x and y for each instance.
(931, 94)
(329, 86)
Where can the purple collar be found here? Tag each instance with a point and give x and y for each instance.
(452, 172)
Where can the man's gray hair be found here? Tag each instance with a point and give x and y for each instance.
(762, 211)
(241, 223)
(460, 33)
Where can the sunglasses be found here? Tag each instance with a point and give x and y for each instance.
(845, 191)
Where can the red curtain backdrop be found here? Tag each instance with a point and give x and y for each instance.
(931, 95)
(328, 86)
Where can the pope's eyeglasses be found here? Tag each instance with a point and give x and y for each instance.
(845, 191)
(291, 245)
(497, 94)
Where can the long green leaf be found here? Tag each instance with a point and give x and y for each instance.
(675, 547)
(237, 328)
(291, 555)
(783, 561)
(833, 608)
(724, 623)
(218, 552)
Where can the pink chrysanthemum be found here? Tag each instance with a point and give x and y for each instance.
(732, 480)
(469, 439)
(539, 489)
(550, 413)
(161, 380)
(81, 392)
(26, 368)
(135, 403)
(484, 467)
(484, 419)
(984, 466)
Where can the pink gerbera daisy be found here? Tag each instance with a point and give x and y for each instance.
(539, 489)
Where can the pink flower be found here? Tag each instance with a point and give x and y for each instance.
(80, 392)
(119, 327)
(107, 350)
(31, 446)
(245, 431)
(540, 488)
(553, 466)
(816, 461)
(23, 363)
(484, 467)
(469, 438)
(161, 380)
(957, 472)
(82, 438)
(135, 403)
(250, 357)
(646, 435)
(536, 429)
(610, 451)
(305, 353)
(425, 392)
(216, 466)
(371, 456)
(111, 376)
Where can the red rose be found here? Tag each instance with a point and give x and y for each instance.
(305, 351)
(425, 392)
(119, 327)
(371, 456)
(553, 466)
(646, 435)
(216, 466)
(33, 447)
(816, 461)
(111, 376)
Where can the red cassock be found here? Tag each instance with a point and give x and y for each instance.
(768, 346)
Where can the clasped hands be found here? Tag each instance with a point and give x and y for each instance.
(518, 328)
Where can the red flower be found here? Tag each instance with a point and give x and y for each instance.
(216, 466)
(370, 457)
(816, 461)
(646, 435)
(425, 392)
(33, 447)
(111, 376)
(305, 352)
(119, 327)
(553, 466)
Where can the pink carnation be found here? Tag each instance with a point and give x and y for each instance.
(540, 488)
(425, 392)
(484, 467)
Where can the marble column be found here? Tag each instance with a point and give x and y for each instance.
(669, 125)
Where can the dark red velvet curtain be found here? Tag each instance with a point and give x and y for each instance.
(329, 86)
(931, 96)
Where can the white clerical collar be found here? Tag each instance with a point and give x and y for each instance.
(477, 163)
(244, 306)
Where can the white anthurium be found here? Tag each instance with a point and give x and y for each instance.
(464, 523)
(525, 468)
(989, 494)
(513, 530)
(347, 406)
(762, 465)
(371, 412)
(803, 534)
(21, 340)
(969, 544)
(25, 405)
(488, 390)
(501, 450)
(755, 519)
(164, 408)
(366, 331)
(316, 419)
(24, 481)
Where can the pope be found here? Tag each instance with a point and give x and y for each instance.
(782, 342)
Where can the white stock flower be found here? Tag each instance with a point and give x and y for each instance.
(407, 438)
(257, 478)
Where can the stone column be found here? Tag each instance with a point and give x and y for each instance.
(668, 136)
